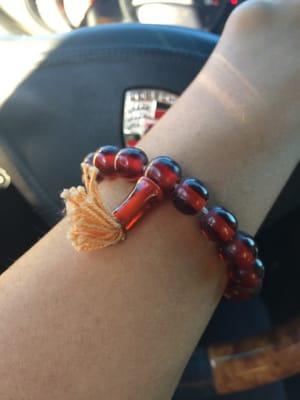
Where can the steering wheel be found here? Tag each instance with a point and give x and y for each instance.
(67, 98)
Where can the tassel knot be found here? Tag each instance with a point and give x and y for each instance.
(92, 224)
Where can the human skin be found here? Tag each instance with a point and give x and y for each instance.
(122, 323)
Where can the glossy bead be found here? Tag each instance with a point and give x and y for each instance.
(190, 196)
(104, 160)
(130, 162)
(89, 159)
(143, 197)
(236, 292)
(165, 172)
(241, 251)
(219, 225)
(248, 277)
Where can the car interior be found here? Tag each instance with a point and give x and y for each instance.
(79, 75)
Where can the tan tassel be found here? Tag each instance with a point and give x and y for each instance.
(93, 225)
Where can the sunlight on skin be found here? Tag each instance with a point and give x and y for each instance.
(239, 76)
(235, 108)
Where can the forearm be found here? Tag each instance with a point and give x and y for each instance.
(231, 141)
(122, 323)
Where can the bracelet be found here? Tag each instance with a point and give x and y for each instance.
(93, 226)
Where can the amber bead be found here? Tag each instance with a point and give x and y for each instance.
(241, 251)
(219, 225)
(130, 162)
(248, 277)
(165, 172)
(190, 196)
(89, 159)
(236, 292)
(104, 160)
(143, 197)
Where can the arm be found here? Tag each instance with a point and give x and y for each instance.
(122, 323)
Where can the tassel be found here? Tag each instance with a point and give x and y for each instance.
(93, 225)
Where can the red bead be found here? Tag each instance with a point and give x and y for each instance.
(248, 277)
(165, 172)
(130, 162)
(89, 159)
(219, 225)
(236, 292)
(241, 251)
(104, 160)
(190, 196)
(143, 197)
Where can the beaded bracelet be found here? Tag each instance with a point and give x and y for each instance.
(93, 226)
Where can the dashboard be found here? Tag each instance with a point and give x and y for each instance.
(34, 17)
(207, 15)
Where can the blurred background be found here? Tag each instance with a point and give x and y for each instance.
(38, 17)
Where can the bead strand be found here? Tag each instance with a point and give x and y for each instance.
(162, 178)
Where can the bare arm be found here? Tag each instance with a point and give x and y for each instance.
(122, 323)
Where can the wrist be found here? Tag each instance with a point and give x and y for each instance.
(234, 153)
